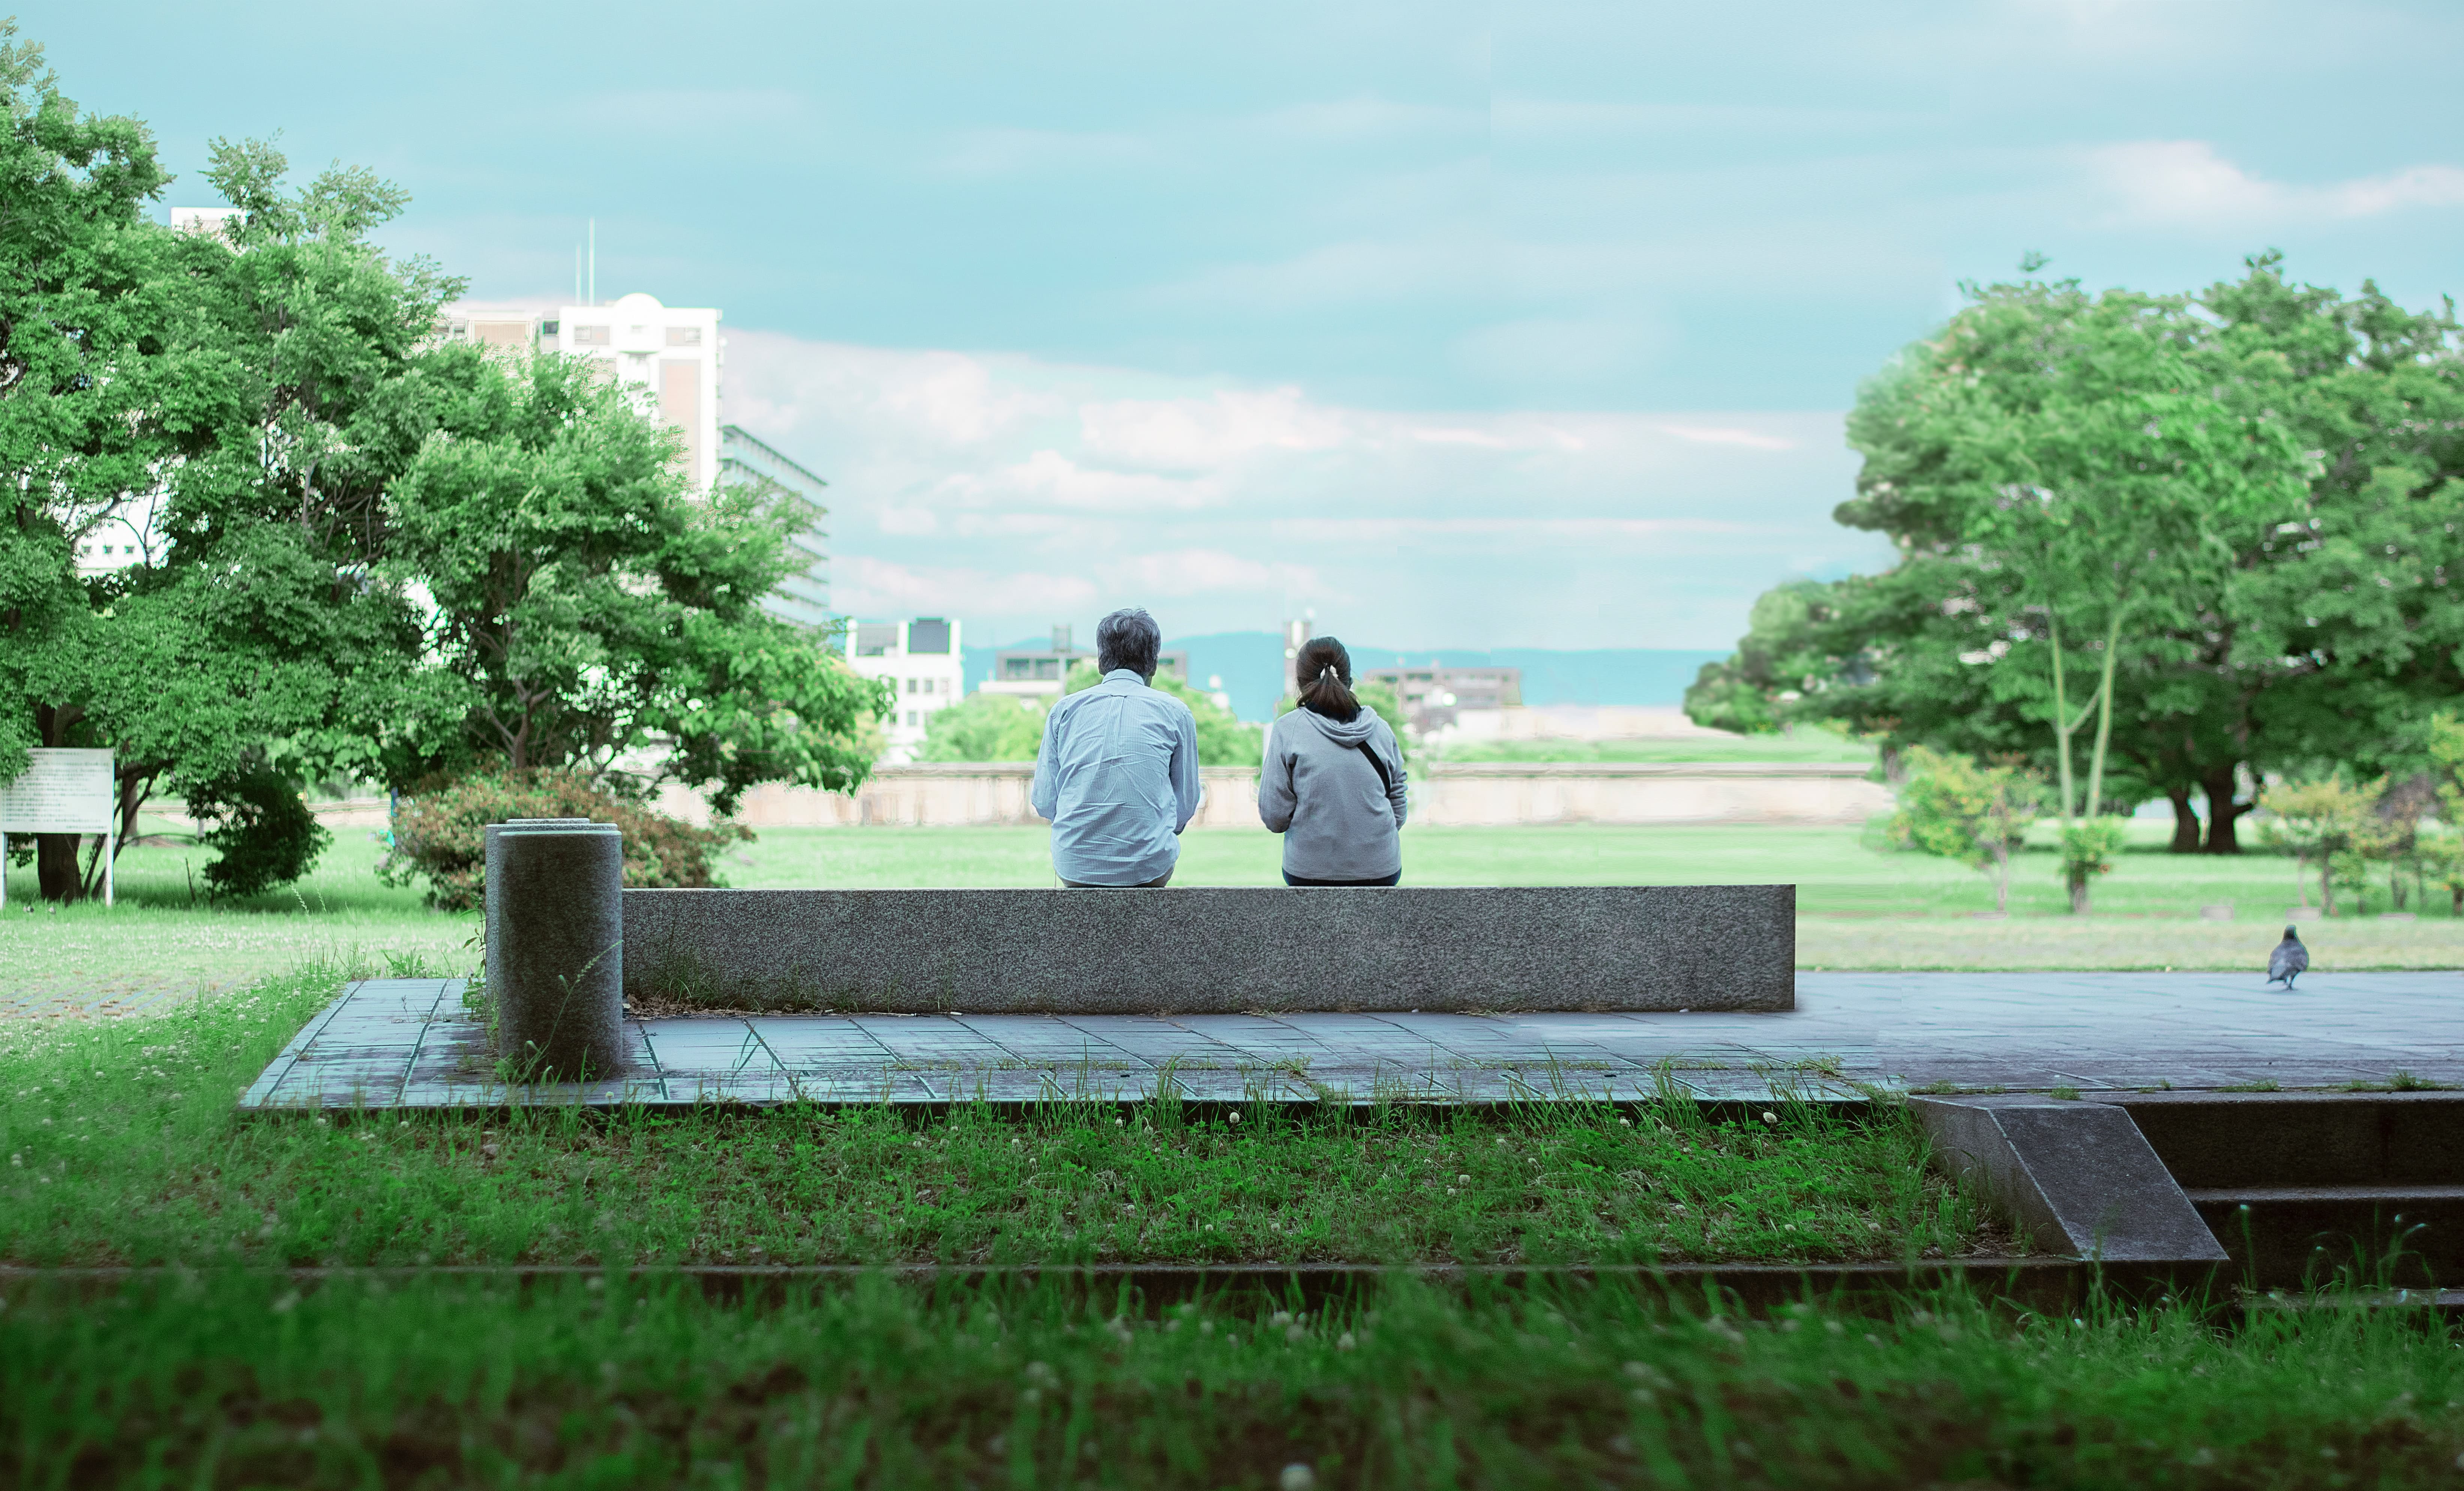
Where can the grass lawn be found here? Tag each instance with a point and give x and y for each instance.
(1861, 907)
(241, 1381)
(123, 1146)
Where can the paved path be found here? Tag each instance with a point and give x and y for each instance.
(409, 1043)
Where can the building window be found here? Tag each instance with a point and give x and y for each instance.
(684, 336)
(910, 716)
(593, 337)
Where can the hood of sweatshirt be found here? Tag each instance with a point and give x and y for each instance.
(1356, 733)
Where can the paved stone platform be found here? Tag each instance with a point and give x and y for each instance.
(409, 1044)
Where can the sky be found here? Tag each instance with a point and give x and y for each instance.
(1458, 326)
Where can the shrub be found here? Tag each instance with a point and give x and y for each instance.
(2319, 820)
(1977, 814)
(441, 835)
(263, 835)
(2088, 848)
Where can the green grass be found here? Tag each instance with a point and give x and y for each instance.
(1806, 744)
(239, 1381)
(123, 1146)
(1861, 907)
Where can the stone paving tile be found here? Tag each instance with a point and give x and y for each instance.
(409, 1040)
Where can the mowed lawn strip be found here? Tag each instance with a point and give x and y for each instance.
(1859, 907)
(123, 1146)
(245, 1381)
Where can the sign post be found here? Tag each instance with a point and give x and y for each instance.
(62, 792)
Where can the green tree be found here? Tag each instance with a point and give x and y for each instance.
(984, 727)
(589, 611)
(1222, 738)
(2280, 626)
(186, 392)
(1951, 806)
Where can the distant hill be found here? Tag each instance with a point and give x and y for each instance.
(1251, 665)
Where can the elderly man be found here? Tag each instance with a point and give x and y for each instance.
(1117, 772)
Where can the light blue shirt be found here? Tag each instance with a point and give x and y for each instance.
(1117, 775)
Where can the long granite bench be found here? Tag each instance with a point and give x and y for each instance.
(1215, 950)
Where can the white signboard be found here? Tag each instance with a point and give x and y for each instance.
(61, 792)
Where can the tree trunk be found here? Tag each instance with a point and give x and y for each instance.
(2222, 811)
(2079, 896)
(2186, 821)
(55, 867)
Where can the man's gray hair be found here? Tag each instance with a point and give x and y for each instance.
(1128, 637)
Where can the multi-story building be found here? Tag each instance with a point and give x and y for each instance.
(923, 660)
(1433, 694)
(802, 598)
(1046, 671)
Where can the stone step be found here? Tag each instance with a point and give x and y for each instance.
(2211, 1140)
(2383, 1235)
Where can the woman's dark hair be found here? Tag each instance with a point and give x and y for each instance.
(1324, 672)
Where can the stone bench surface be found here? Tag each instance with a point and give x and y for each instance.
(1217, 950)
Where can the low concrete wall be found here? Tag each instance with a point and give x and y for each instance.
(1218, 950)
(958, 794)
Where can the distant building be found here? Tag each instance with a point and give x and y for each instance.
(802, 598)
(1046, 671)
(204, 220)
(1433, 694)
(671, 354)
(923, 658)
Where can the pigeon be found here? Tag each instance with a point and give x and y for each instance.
(2289, 959)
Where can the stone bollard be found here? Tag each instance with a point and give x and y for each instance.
(556, 945)
(494, 871)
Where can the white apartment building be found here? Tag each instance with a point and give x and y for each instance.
(671, 354)
(923, 659)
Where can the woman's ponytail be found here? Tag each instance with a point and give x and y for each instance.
(1324, 670)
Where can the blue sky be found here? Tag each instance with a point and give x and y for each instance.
(1469, 326)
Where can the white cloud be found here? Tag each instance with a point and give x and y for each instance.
(1188, 571)
(864, 586)
(1499, 439)
(1546, 530)
(1718, 435)
(1182, 434)
(2188, 183)
(1055, 478)
(910, 522)
(1015, 493)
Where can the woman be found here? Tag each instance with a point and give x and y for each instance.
(1332, 784)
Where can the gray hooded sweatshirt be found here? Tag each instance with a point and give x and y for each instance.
(1317, 790)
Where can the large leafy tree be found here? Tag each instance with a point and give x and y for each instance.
(589, 611)
(190, 392)
(2267, 537)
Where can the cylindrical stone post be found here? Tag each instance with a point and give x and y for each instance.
(556, 895)
(490, 875)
